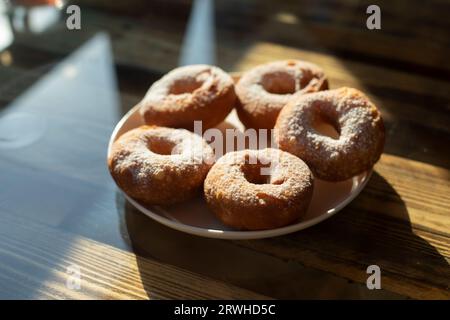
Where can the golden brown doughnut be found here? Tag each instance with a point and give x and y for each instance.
(264, 90)
(186, 94)
(357, 121)
(158, 165)
(244, 197)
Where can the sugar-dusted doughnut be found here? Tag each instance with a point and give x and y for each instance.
(157, 165)
(357, 121)
(189, 93)
(264, 90)
(258, 189)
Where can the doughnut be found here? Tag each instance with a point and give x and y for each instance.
(157, 165)
(264, 90)
(360, 132)
(245, 197)
(185, 94)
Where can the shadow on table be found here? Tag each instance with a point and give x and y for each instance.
(374, 229)
(290, 266)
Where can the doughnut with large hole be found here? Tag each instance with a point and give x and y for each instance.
(264, 90)
(158, 165)
(258, 189)
(186, 94)
(357, 121)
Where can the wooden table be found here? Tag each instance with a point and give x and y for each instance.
(63, 91)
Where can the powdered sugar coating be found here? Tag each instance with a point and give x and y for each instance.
(259, 108)
(243, 204)
(156, 178)
(189, 93)
(360, 126)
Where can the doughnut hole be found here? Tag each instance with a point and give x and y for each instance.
(307, 77)
(278, 83)
(164, 147)
(326, 125)
(186, 85)
(257, 174)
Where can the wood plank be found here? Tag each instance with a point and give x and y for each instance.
(142, 40)
(407, 114)
(400, 222)
(424, 190)
(235, 264)
(339, 27)
(158, 50)
(35, 257)
(341, 70)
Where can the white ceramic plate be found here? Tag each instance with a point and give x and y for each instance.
(194, 217)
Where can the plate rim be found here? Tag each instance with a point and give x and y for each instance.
(231, 234)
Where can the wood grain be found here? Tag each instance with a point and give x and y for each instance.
(339, 29)
(412, 103)
(393, 223)
(35, 267)
(401, 221)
